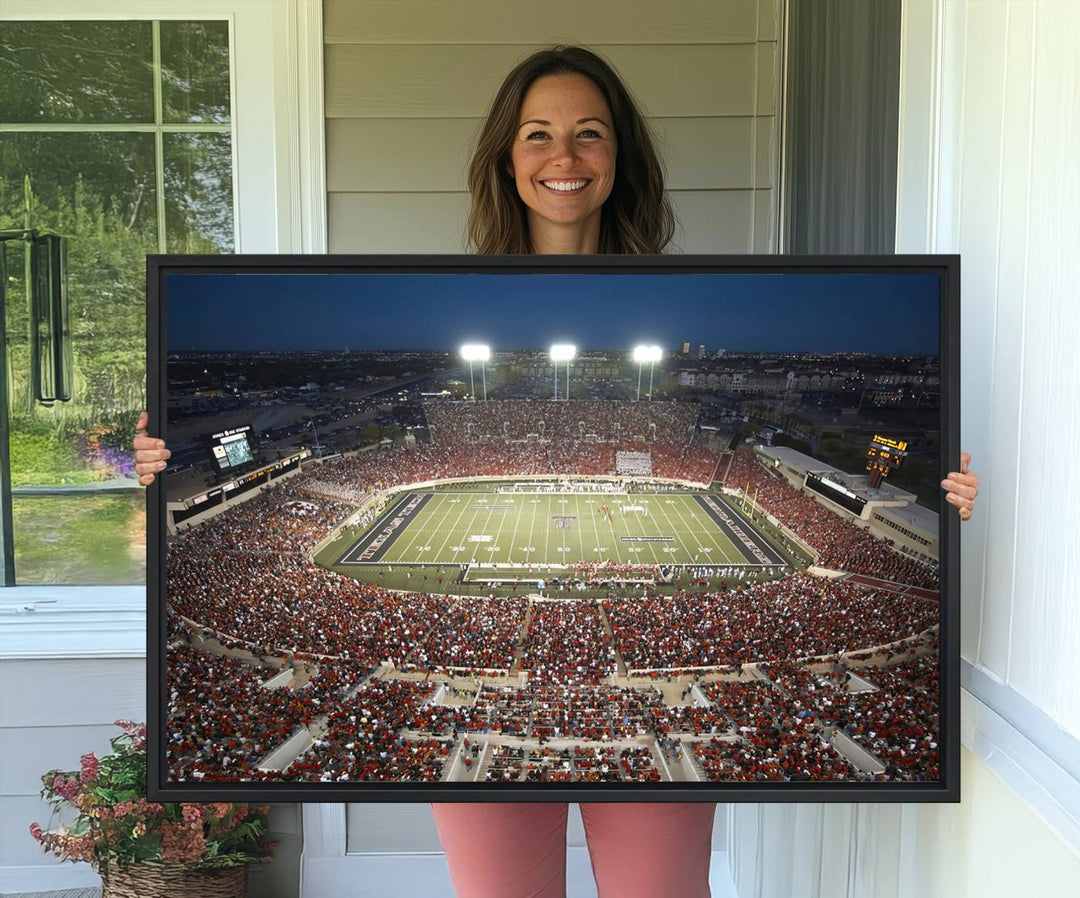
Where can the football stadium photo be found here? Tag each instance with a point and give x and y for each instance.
(462, 540)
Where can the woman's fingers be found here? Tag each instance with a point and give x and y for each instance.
(966, 485)
(151, 456)
(961, 487)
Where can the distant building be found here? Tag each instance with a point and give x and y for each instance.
(686, 347)
(701, 351)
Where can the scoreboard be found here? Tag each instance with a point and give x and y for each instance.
(883, 456)
(835, 492)
(231, 448)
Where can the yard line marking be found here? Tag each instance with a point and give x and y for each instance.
(596, 530)
(452, 531)
(677, 532)
(547, 531)
(502, 520)
(513, 539)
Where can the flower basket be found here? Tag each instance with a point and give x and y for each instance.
(173, 881)
(142, 848)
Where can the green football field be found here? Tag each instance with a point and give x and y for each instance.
(454, 528)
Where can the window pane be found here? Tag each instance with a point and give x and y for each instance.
(98, 191)
(195, 71)
(81, 540)
(76, 72)
(198, 193)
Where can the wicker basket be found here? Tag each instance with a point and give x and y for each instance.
(174, 881)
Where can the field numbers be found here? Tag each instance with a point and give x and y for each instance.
(562, 548)
(526, 548)
(457, 548)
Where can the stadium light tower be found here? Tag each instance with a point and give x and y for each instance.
(643, 354)
(476, 352)
(563, 352)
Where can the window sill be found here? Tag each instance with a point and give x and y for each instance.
(1040, 762)
(38, 622)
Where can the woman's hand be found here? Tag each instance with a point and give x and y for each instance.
(150, 453)
(961, 487)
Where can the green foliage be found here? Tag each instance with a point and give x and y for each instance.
(115, 823)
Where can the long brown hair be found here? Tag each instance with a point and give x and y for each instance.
(637, 216)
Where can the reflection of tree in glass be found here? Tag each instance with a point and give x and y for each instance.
(109, 232)
(195, 72)
(198, 193)
(98, 189)
(76, 72)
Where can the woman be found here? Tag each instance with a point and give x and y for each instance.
(565, 164)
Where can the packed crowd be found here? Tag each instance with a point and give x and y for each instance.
(840, 544)
(223, 719)
(362, 740)
(796, 617)
(605, 421)
(475, 634)
(244, 577)
(567, 638)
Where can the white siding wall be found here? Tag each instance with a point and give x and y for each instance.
(989, 143)
(408, 82)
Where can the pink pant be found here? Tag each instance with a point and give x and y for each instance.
(501, 850)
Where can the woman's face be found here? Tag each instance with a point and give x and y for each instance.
(563, 154)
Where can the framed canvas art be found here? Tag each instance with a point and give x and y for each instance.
(554, 528)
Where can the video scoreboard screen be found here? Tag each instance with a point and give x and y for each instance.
(231, 448)
(836, 492)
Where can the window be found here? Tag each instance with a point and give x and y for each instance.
(116, 135)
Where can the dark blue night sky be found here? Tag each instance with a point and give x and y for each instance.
(887, 314)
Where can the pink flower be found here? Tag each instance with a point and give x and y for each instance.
(37, 832)
(65, 788)
(181, 842)
(89, 767)
(192, 813)
(150, 808)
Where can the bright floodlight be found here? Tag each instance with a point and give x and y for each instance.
(475, 352)
(563, 352)
(647, 354)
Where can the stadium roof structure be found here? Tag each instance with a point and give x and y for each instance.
(914, 517)
(802, 463)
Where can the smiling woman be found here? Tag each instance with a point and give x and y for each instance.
(565, 163)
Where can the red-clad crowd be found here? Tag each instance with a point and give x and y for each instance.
(796, 617)
(244, 577)
(840, 544)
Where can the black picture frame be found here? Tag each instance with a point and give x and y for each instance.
(946, 268)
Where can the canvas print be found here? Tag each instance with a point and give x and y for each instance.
(552, 529)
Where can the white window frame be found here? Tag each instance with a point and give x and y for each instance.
(279, 202)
